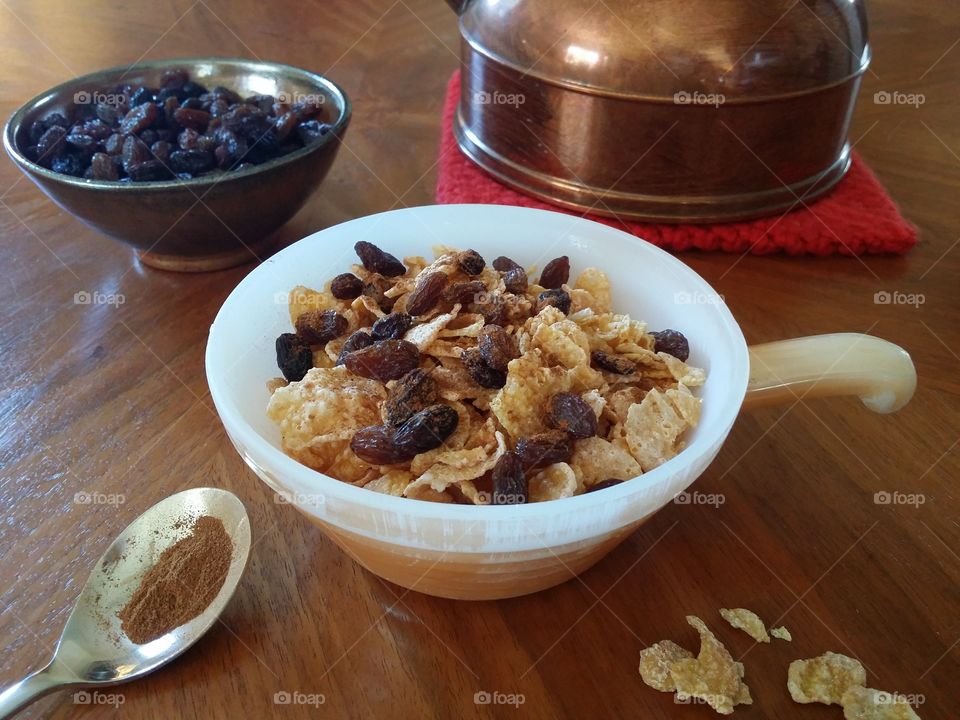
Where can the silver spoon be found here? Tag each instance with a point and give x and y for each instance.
(93, 652)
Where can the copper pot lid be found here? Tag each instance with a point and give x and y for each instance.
(746, 50)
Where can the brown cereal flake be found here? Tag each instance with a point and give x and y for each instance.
(748, 621)
(654, 427)
(655, 662)
(596, 459)
(781, 633)
(712, 676)
(824, 679)
(553, 482)
(863, 703)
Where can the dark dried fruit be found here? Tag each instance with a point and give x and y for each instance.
(384, 360)
(196, 119)
(413, 392)
(375, 445)
(496, 347)
(516, 281)
(138, 119)
(471, 262)
(464, 292)
(483, 374)
(359, 339)
(671, 342)
(504, 264)
(603, 485)
(346, 286)
(148, 170)
(569, 412)
(68, 164)
(376, 260)
(161, 151)
(509, 481)
(319, 327)
(103, 167)
(612, 363)
(376, 287)
(294, 357)
(391, 327)
(560, 299)
(310, 131)
(427, 292)
(556, 272)
(134, 151)
(51, 143)
(426, 429)
(546, 448)
(191, 161)
(493, 309)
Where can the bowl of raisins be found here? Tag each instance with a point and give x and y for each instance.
(193, 162)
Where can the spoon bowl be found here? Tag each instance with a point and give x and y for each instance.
(93, 650)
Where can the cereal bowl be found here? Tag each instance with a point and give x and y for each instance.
(487, 552)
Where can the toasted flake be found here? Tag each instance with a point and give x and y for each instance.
(302, 298)
(654, 427)
(274, 384)
(425, 334)
(824, 679)
(393, 482)
(655, 662)
(862, 703)
(596, 459)
(683, 373)
(530, 384)
(748, 621)
(596, 283)
(712, 676)
(457, 465)
(553, 482)
(781, 633)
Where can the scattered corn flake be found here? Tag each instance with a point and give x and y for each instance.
(712, 676)
(463, 325)
(530, 385)
(824, 679)
(457, 441)
(748, 621)
(781, 633)
(620, 400)
(655, 662)
(454, 382)
(863, 703)
(370, 305)
(595, 400)
(447, 348)
(596, 282)
(392, 482)
(596, 459)
(683, 373)
(457, 465)
(274, 384)
(425, 334)
(553, 482)
(654, 427)
(428, 494)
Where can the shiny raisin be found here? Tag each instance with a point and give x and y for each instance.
(51, 143)
(413, 392)
(391, 327)
(671, 342)
(384, 360)
(546, 448)
(140, 118)
(504, 264)
(471, 262)
(148, 170)
(493, 309)
(426, 429)
(556, 272)
(464, 292)
(426, 293)
(191, 161)
(375, 445)
(376, 260)
(603, 485)
(319, 327)
(516, 281)
(359, 339)
(510, 485)
(104, 168)
(346, 286)
(560, 299)
(294, 357)
(612, 363)
(496, 347)
(483, 374)
(570, 413)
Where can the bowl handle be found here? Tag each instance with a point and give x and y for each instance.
(879, 372)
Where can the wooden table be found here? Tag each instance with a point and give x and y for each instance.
(112, 399)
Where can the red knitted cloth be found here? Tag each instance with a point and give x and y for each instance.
(857, 218)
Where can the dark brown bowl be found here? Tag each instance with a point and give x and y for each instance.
(207, 223)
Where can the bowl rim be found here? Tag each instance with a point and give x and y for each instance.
(292, 472)
(15, 121)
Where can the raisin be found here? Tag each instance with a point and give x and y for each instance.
(471, 262)
(319, 327)
(346, 286)
(191, 161)
(188, 139)
(196, 119)
(359, 339)
(81, 141)
(516, 281)
(496, 347)
(108, 113)
(556, 272)
(103, 167)
(464, 292)
(612, 363)
(375, 445)
(570, 413)
(505, 264)
(140, 118)
(483, 374)
(427, 429)
(310, 131)
(148, 170)
(603, 485)
(391, 327)
(294, 357)
(413, 392)
(672, 342)
(376, 287)
(174, 78)
(427, 292)
(161, 151)
(284, 125)
(384, 360)
(560, 299)
(114, 144)
(376, 260)
(51, 143)
(546, 448)
(68, 164)
(493, 309)
(509, 481)
(134, 151)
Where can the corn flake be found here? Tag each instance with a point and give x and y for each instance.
(655, 662)
(392, 482)
(862, 703)
(748, 621)
(824, 679)
(781, 633)
(712, 676)
(595, 459)
(553, 482)
(654, 426)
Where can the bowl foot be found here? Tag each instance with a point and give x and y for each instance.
(208, 263)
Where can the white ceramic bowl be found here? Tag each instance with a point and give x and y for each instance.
(464, 551)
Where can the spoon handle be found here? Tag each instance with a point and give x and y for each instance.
(20, 694)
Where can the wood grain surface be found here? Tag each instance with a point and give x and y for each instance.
(112, 399)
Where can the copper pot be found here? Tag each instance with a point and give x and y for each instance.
(701, 111)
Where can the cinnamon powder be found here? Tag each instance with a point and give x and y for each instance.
(185, 579)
